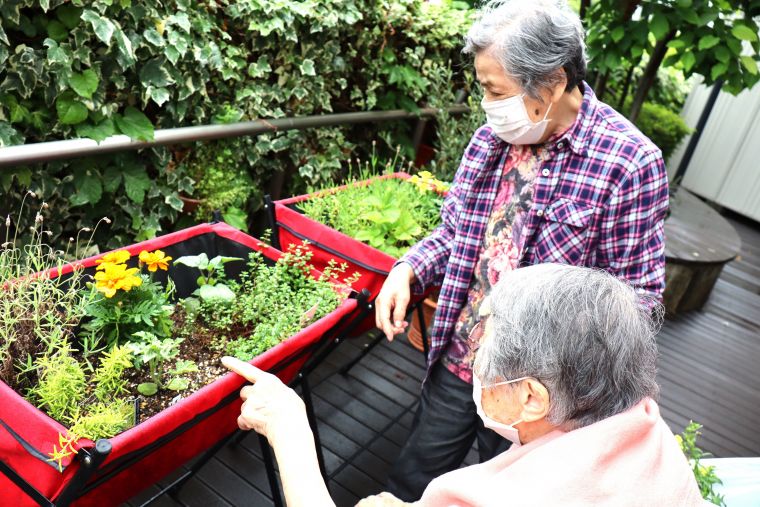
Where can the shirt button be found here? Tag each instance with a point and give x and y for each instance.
(561, 145)
(540, 212)
(545, 172)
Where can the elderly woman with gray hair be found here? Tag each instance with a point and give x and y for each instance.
(566, 371)
(554, 176)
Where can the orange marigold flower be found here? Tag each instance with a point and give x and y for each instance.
(114, 277)
(155, 260)
(117, 257)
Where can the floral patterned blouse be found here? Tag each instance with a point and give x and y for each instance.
(502, 250)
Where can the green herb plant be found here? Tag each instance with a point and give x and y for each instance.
(211, 288)
(274, 302)
(705, 475)
(152, 351)
(389, 214)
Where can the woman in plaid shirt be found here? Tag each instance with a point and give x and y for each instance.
(554, 176)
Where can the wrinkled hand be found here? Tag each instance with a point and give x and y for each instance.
(384, 499)
(269, 407)
(392, 301)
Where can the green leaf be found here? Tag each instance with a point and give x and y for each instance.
(307, 67)
(708, 41)
(750, 64)
(9, 136)
(690, 16)
(70, 111)
(718, 70)
(89, 189)
(199, 261)
(159, 95)
(218, 293)
(111, 179)
(677, 44)
(147, 388)
(688, 60)
(126, 54)
(743, 32)
(722, 54)
(236, 217)
(56, 54)
(103, 27)
(617, 34)
(174, 201)
(154, 73)
(659, 25)
(178, 384)
(97, 132)
(57, 31)
(69, 15)
(136, 182)
(4, 36)
(23, 176)
(134, 124)
(85, 83)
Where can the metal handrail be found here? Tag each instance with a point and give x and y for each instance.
(56, 150)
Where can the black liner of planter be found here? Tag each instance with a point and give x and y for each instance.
(89, 476)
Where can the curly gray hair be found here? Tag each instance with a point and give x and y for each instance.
(581, 332)
(532, 39)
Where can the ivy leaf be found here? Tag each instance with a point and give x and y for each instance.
(4, 37)
(85, 83)
(307, 67)
(57, 31)
(9, 136)
(134, 124)
(103, 27)
(69, 15)
(126, 54)
(708, 41)
(98, 132)
(750, 64)
(3, 53)
(136, 182)
(743, 32)
(159, 95)
(154, 73)
(89, 188)
(147, 388)
(174, 201)
(56, 54)
(659, 25)
(70, 111)
(151, 35)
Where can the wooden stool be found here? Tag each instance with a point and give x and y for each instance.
(698, 243)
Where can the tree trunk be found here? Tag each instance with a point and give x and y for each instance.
(626, 86)
(584, 7)
(648, 77)
(600, 84)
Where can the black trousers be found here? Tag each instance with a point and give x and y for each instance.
(444, 428)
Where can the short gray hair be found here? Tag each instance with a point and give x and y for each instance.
(532, 39)
(584, 334)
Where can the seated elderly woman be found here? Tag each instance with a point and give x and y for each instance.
(566, 371)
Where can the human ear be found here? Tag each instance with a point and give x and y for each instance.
(534, 400)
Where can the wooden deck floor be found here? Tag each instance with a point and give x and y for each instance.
(708, 372)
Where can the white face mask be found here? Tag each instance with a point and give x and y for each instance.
(508, 118)
(507, 431)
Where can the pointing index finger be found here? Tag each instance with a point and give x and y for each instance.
(245, 370)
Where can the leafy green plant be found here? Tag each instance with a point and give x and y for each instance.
(666, 128)
(389, 214)
(210, 289)
(143, 306)
(705, 475)
(61, 384)
(152, 351)
(91, 69)
(273, 302)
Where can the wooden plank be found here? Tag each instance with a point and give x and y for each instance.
(341, 496)
(232, 485)
(357, 482)
(352, 406)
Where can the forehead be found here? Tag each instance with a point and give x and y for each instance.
(490, 72)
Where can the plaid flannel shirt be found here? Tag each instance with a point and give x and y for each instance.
(599, 201)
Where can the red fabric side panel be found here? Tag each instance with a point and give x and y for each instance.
(303, 197)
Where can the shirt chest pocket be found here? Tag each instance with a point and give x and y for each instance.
(563, 234)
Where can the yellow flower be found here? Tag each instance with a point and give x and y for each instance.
(424, 180)
(155, 260)
(117, 257)
(114, 277)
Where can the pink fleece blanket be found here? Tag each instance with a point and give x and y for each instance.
(630, 459)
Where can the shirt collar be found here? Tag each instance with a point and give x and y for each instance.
(575, 136)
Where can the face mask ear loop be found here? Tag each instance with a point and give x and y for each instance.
(547, 110)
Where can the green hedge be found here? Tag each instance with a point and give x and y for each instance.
(95, 68)
(664, 127)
